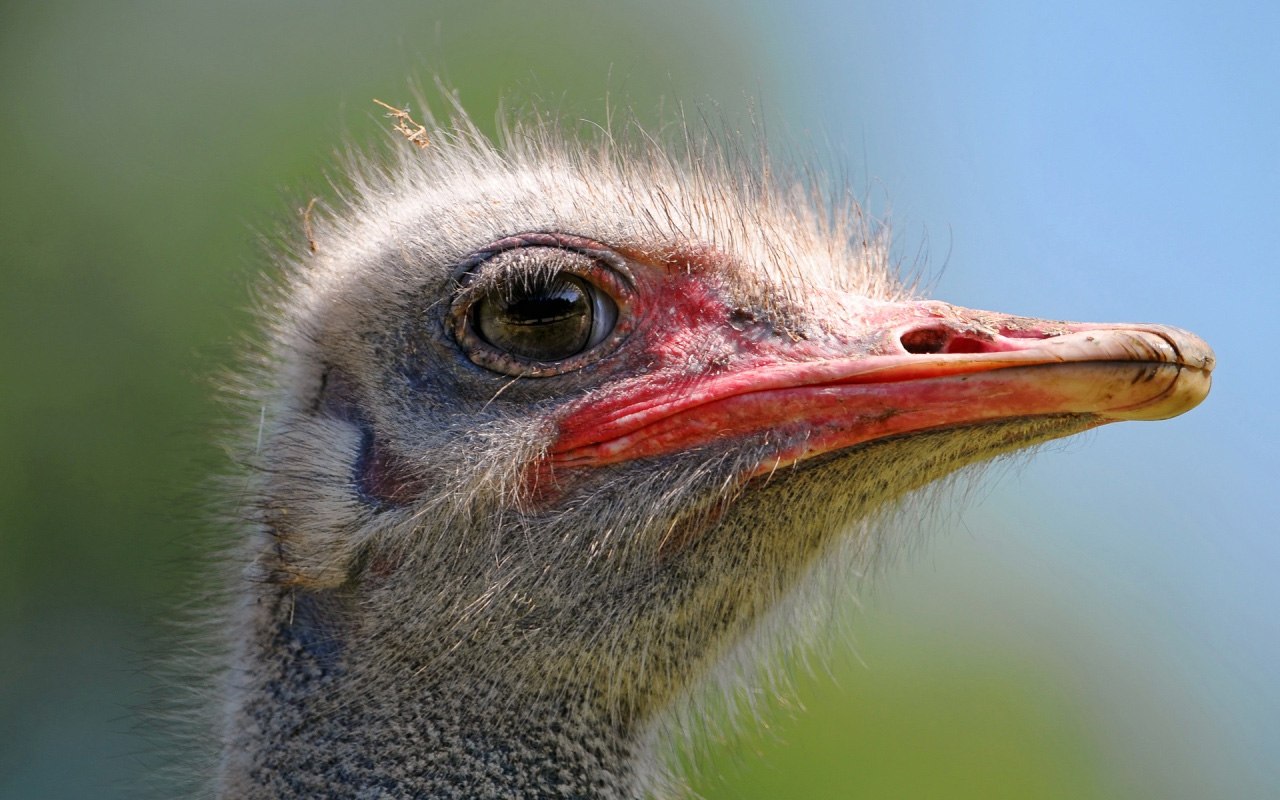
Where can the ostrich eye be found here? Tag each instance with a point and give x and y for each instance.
(545, 318)
(549, 305)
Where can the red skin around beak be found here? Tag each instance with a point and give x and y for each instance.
(902, 368)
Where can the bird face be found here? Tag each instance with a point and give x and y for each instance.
(599, 418)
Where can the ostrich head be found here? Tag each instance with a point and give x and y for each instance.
(550, 430)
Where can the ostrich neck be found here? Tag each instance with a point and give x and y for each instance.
(315, 716)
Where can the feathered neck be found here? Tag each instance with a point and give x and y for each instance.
(316, 722)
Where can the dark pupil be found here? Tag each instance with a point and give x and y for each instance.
(546, 320)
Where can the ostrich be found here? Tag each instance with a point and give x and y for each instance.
(550, 438)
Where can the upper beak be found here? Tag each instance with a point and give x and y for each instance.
(928, 366)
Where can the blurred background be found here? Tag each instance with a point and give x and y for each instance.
(1101, 621)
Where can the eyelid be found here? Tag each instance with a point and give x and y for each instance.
(470, 265)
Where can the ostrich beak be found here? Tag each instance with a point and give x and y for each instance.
(913, 367)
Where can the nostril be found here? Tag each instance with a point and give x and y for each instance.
(932, 341)
(925, 341)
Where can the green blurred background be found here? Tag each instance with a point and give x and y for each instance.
(1099, 623)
